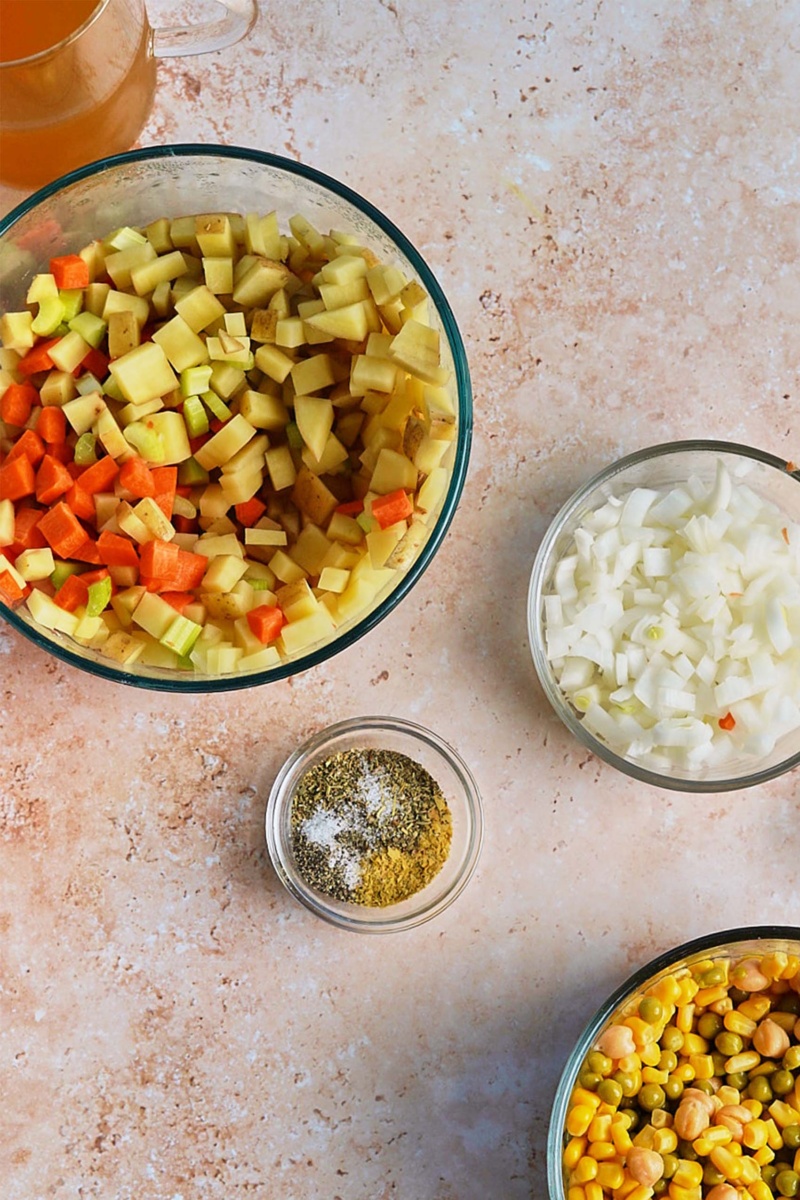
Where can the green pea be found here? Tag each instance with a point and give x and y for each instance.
(718, 1060)
(789, 1002)
(768, 1173)
(651, 1009)
(627, 1082)
(589, 1080)
(781, 1082)
(713, 976)
(687, 1150)
(737, 1079)
(660, 1187)
(669, 1060)
(609, 1092)
(709, 1026)
(652, 1096)
(634, 1116)
(712, 1176)
(670, 1165)
(703, 1085)
(673, 1088)
(672, 1039)
(787, 1183)
(791, 1059)
(791, 1137)
(598, 1062)
(728, 1043)
(737, 996)
(759, 1089)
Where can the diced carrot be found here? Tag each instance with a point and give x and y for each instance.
(73, 592)
(190, 571)
(166, 482)
(17, 478)
(391, 508)
(52, 480)
(51, 424)
(62, 529)
(185, 524)
(250, 511)
(63, 452)
(27, 535)
(184, 489)
(727, 722)
(351, 508)
(16, 403)
(137, 478)
(28, 445)
(10, 591)
(75, 469)
(70, 271)
(165, 567)
(99, 476)
(87, 552)
(95, 576)
(116, 550)
(37, 359)
(95, 362)
(196, 442)
(178, 600)
(265, 622)
(158, 559)
(81, 502)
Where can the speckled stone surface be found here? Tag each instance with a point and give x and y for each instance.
(610, 198)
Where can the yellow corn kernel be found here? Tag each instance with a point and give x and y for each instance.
(737, 1022)
(703, 1066)
(773, 965)
(735, 1148)
(585, 1171)
(710, 995)
(644, 1137)
(786, 1020)
(694, 1044)
(579, 1119)
(665, 1141)
(689, 989)
(641, 1192)
(601, 1150)
(576, 1193)
(620, 1137)
(610, 1175)
(659, 1117)
(630, 1063)
(600, 1129)
(760, 1190)
(754, 1134)
(688, 1174)
(783, 1114)
(755, 1106)
(755, 1007)
(751, 1171)
(684, 1071)
(684, 1017)
(628, 1185)
(792, 966)
(676, 1192)
(716, 1135)
(726, 1163)
(764, 1155)
(606, 1110)
(650, 1054)
(583, 1096)
(667, 990)
(653, 1075)
(728, 1095)
(574, 1150)
(742, 1062)
(593, 1191)
(720, 1007)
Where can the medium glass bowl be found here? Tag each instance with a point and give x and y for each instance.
(661, 466)
(458, 787)
(755, 940)
(143, 185)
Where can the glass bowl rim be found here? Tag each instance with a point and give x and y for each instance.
(636, 980)
(535, 620)
(348, 916)
(178, 682)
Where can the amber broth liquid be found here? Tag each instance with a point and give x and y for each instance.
(71, 113)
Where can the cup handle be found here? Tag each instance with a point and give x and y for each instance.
(175, 40)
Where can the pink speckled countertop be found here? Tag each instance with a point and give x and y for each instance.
(610, 198)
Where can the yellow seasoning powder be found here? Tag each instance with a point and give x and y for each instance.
(369, 826)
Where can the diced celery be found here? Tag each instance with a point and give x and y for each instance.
(112, 389)
(195, 380)
(181, 635)
(99, 596)
(218, 408)
(91, 328)
(62, 571)
(125, 237)
(294, 436)
(190, 473)
(146, 440)
(88, 383)
(366, 521)
(72, 299)
(85, 450)
(195, 416)
(49, 316)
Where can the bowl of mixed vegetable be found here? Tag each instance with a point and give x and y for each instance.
(686, 1082)
(235, 417)
(664, 615)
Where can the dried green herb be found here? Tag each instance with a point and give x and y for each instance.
(369, 826)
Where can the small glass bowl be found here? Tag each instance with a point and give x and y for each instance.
(755, 940)
(662, 466)
(448, 770)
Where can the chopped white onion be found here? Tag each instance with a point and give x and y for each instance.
(675, 609)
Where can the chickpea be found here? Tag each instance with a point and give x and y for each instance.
(616, 1041)
(645, 1166)
(770, 1039)
(691, 1119)
(749, 977)
(709, 1103)
(723, 1191)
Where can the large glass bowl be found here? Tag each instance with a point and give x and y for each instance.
(731, 944)
(662, 467)
(144, 185)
